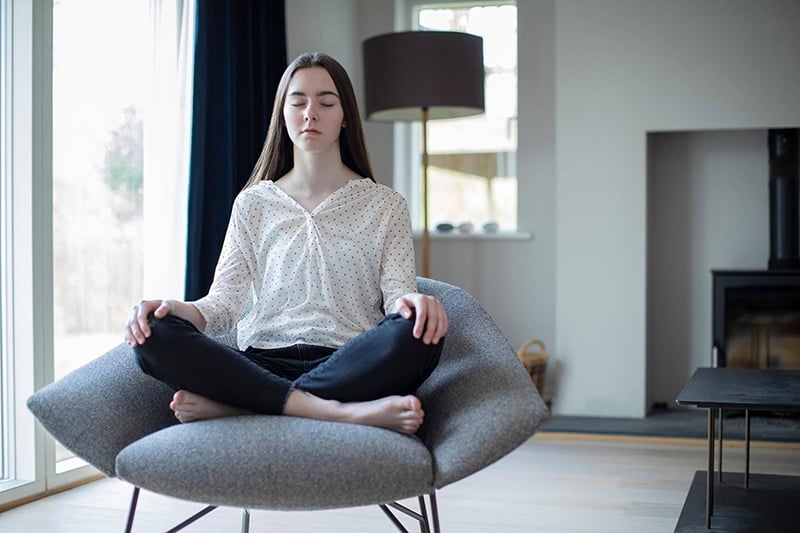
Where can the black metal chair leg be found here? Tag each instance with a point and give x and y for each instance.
(194, 518)
(434, 512)
(422, 516)
(132, 510)
(393, 518)
(425, 523)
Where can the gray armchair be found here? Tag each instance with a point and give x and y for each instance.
(479, 403)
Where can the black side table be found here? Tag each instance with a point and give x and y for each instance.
(749, 389)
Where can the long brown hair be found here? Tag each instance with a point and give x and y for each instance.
(277, 155)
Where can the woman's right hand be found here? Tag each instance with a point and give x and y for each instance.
(138, 329)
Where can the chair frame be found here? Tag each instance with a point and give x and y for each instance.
(427, 524)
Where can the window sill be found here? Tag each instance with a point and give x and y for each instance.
(477, 235)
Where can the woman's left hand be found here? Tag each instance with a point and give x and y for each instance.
(430, 324)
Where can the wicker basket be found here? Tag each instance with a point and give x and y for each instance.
(534, 360)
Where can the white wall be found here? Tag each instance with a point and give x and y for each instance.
(595, 77)
(626, 67)
(330, 27)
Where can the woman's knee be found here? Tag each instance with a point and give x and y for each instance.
(166, 338)
(426, 356)
(402, 333)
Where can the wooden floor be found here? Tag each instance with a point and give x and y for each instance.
(553, 483)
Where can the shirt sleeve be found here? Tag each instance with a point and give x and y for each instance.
(398, 271)
(229, 296)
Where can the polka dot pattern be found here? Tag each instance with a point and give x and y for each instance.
(287, 275)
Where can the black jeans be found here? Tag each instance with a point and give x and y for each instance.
(383, 361)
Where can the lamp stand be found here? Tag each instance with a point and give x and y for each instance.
(426, 242)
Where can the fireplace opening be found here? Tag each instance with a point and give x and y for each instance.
(756, 318)
(763, 328)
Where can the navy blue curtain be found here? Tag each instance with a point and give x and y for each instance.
(240, 54)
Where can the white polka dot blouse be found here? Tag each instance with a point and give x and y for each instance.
(287, 276)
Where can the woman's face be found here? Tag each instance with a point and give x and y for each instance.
(312, 110)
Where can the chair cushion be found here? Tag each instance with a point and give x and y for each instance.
(279, 463)
(102, 407)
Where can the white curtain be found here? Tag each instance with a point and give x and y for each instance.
(167, 131)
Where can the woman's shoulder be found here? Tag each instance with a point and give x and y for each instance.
(255, 199)
(379, 189)
(260, 191)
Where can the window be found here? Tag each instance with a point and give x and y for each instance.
(472, 171)
(80, 84)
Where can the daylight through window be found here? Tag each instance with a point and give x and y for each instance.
(99, 86)
(472, 171)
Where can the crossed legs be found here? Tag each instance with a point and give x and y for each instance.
(367, 381)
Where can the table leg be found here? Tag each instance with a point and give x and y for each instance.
(710, 473)
(721, 433)
(747, 448)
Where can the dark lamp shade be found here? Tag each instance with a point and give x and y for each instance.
(405, 72)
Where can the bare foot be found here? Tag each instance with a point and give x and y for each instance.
(403, 414)
(398, 413)
(190, 407)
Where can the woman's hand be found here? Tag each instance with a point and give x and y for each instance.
(138, 329)
(431, 321)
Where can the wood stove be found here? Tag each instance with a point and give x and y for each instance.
(756, 313)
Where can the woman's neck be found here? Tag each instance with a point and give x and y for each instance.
(314, 177)
(319, 173)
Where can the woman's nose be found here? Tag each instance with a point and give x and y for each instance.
(310, 114)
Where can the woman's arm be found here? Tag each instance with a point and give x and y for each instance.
(397, 270)
(398, 280)
(229, 295)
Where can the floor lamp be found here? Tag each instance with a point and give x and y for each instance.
(421, 76)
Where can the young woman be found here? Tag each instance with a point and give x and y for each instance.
(317, 276)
